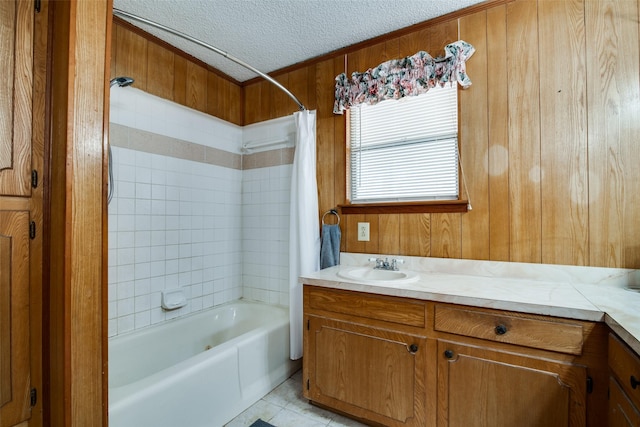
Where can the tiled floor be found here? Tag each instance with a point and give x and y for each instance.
(286, 407)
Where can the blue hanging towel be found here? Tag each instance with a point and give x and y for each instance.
(330, 247)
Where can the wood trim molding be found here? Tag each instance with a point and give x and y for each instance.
(75, 301)
(443, 206)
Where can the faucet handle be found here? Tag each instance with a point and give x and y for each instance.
(395, 262)
(379, 262)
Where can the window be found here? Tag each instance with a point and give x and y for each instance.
(405, 150)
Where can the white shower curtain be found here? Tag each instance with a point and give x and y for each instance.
(304, 234)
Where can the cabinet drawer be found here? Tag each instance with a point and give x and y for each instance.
(536, 333)
(375, 307)
(625, 365)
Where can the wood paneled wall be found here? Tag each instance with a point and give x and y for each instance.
(549, 129)
(549, 135)
(164, 72)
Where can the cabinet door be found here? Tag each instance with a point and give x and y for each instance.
(16, 56)
(14, 318)
(482, 387)
(373, 374)
(622, 413)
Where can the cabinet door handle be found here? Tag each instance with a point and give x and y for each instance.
(413, 348)
(501, 330)
(448, 354)
(634, 382)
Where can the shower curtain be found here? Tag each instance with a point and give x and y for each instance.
(304, 235)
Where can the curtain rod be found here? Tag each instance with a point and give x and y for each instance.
(267, 77)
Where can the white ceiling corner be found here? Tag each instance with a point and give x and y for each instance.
(273, 34)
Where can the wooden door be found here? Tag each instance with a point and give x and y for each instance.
(622, 413)
(482, 387)
(15, 385)
(16, 57)
(370, 373)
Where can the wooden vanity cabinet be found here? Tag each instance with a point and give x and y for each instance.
(398, 361)
(624, 385)
(366, 356)
(483, 387)
(498, 369)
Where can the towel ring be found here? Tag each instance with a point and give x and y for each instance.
(331, 211)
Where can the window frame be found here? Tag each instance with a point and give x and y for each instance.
(460, 205)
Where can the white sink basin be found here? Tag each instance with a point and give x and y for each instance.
(368, 274)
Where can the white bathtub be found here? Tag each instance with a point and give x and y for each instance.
(199, 370)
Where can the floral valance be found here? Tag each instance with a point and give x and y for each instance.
(408, 76)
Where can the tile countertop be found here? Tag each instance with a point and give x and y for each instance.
(610, 295)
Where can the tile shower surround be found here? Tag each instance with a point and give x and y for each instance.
(189, 215)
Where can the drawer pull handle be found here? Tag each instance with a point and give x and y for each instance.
(413, 348)
(501, 330)
(634, 382)
(448, 354)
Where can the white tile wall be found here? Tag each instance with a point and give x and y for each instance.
(173, 223)
(217, 233)
(265, 234)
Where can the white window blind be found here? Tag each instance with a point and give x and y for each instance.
(405, 150)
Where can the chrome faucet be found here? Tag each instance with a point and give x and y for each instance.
(384, 264)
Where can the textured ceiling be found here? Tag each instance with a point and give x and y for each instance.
(273, 34)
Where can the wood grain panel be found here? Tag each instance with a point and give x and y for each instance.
(236, 103)
(398, 312)
(446, 235)
(524, 132)
(473, 388)
(251, 104)
(542, 333)
(340, 134)
(114, 52)
(196, 87)
(298, 85)
(373, 245)
(131, 54)
(7, 49)
(5, 320)
(415, 235)
(215, 99)
(624, 363)
(614, 129)
(160, 66)
(16, 44)
(85, 198)
(389, 231)
(325, 144)
(350, 233)
(180, 80)
(368, 57)
(77, 324)
(14, 317)
(431, 40)
(279, 100)
(563, 132)
(40, 104)
(265, 101)
(497, 115)
(474, 141)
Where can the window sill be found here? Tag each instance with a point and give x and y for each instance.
(441, 206)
